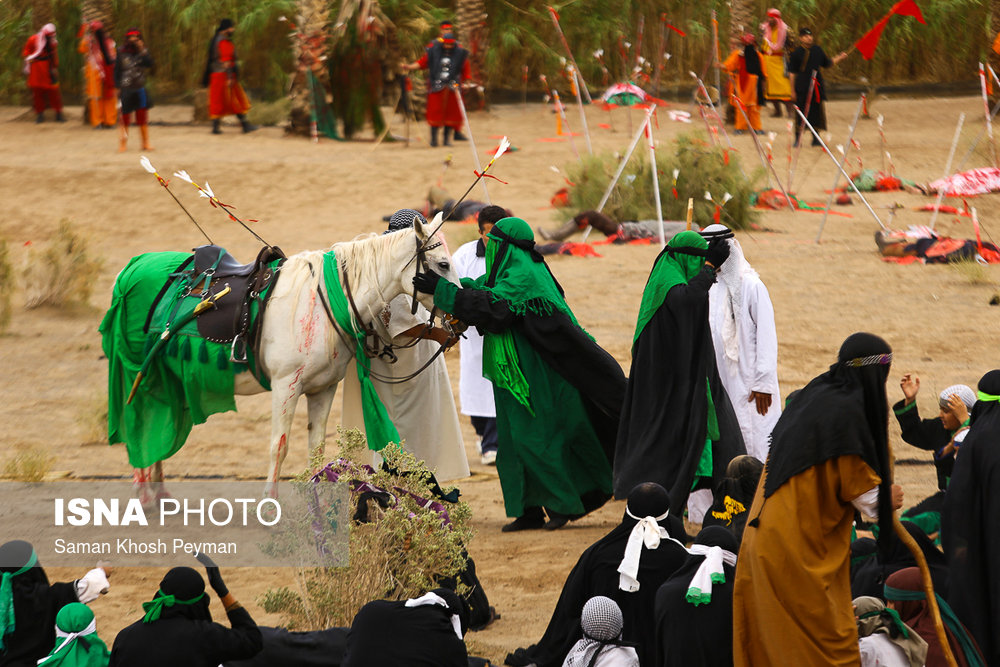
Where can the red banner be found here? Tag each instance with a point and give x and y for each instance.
(867, 44)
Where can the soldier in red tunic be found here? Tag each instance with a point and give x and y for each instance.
(41, 64)
(225, 94)
(448, 65)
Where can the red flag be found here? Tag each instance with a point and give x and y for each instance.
(867, 44)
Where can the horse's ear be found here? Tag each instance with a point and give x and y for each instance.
(424, 231)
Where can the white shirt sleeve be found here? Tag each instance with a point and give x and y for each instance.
(867, 503)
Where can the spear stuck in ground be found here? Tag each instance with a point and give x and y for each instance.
(798, 132)
(656, 181)
(947, 168)
(583, 115)
(561, 110)
(843, 162)
(807, 124)
(569, 53)
(472, 143)
(768, 167)
(621, 167)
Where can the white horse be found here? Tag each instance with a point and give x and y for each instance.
(302, 353)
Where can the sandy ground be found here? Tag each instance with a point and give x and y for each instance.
(308, 196)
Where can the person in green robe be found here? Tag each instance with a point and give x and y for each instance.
(558, 394)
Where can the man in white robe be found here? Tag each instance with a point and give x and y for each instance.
(423, 408)
(475, 392)
(746, 344)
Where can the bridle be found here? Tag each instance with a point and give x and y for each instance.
(379, 347)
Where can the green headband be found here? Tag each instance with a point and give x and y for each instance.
(894, 616)
(7, 597)
(983, 396)
(154, 607)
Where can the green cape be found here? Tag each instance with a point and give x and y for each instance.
(669, 270)
(527, 285)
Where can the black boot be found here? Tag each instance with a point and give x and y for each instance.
(434, 137)
(459, 136)
(60, 118)
(40, 118)
(532, 519)
(248, 127)
(216, 123)
(447, 136)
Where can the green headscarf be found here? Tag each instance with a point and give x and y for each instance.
(951, 621)
(154, 607)
(517, 274)
(670, 269)
(7, 597)
(77, 643)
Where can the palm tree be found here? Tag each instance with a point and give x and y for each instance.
(41, 13)
(98, 10)
(311, 45)
(470, 15)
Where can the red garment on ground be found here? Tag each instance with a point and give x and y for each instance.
(225, 94)
(39, 73)
(442, 107)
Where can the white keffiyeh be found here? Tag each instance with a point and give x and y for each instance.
(709, 572)
(647, 532)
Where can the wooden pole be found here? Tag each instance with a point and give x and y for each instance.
(621, 168)
(562, 114)
(827, 151)
(690, 212)
(798, 135)
(583, 115)
(843, 161)
(760, 153)
(986, 111)
(947, 168)
(569, 53)
(472, 143)
(656, 181)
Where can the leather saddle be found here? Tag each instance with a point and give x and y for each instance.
(230, 321)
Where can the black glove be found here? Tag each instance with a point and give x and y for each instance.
(214, 576)
(718, 252)
(426, 282)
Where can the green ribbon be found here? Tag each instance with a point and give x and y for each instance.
(7, 597)
(696, 597)
(379, 429)
(972, 655)
(154, 608)
(893, 616)
(983, 396)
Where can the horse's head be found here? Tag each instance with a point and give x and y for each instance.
(432, 254)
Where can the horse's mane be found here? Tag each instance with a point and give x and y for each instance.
(361, 257)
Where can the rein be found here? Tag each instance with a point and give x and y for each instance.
(388, 349)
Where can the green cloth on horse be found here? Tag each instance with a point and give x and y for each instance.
(379, 429)
(182, 386)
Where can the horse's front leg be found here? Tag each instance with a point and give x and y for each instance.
(285, 393)
(319, 413)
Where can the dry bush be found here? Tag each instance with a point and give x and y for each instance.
(61, 271)
(972, 271)
(6, 284)
(28, 464)
(403, 551)
(270, 113)
(702, 168)
(92, 418)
